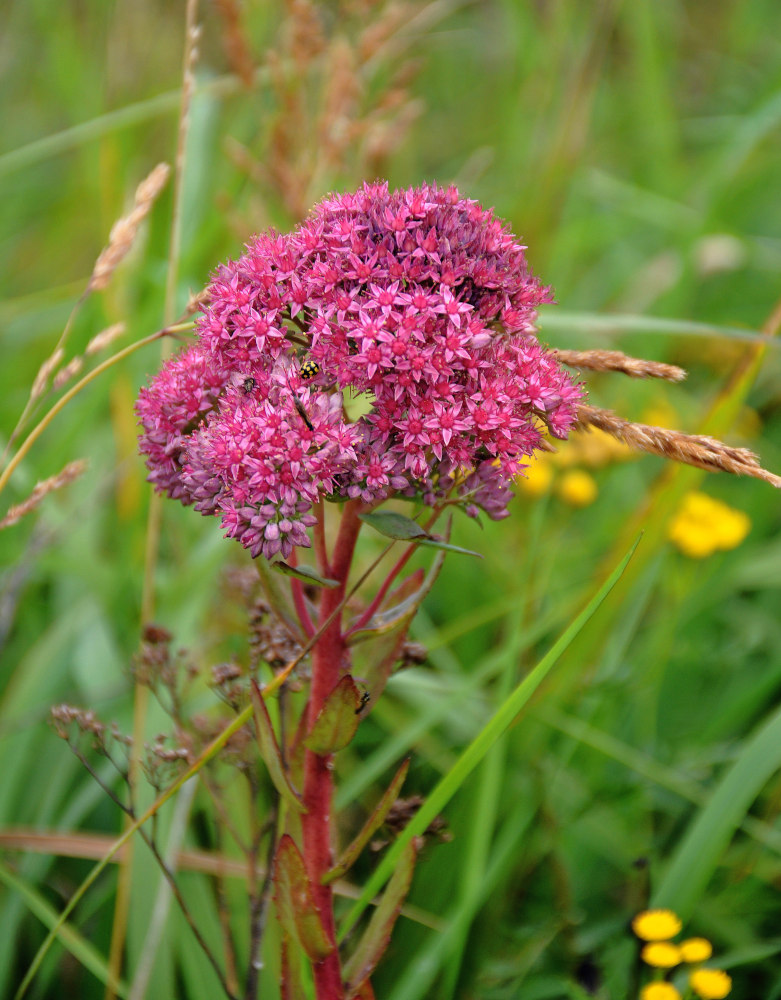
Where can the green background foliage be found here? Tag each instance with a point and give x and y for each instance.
(635, 148)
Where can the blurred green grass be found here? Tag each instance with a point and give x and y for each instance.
(636, 149)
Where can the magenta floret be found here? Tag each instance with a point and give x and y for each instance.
(419, 308)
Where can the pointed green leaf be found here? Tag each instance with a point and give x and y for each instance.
(269, 751)
(278, 596)
(435, 543)
(699, 850)
(337, 721)
(83, 951)
(292, 959)
(394, 525)
(372, 824)
(298, 914)
(305, 573)
(375, 939)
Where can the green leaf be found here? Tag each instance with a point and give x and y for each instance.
(298, 914)
(292, 960)
(394, 525)
(337, 721)
(269, 751)
(435, 543)
(478, 748)
(375, 939)
(372, 824)
(703, 844)
(82, 950)
(305, 573)
(280, 599)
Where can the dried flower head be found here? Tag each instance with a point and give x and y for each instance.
(416, 309)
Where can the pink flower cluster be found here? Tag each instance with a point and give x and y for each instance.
(418, 309)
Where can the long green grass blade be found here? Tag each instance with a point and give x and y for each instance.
(698, 853)
(95, 128)
(479, 747)
(85, 953)
(613, 323)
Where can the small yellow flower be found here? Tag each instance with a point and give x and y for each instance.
(696, 950)
(596, 448)
(703, 525)
(659, 991)
(577, 488)
(656, 925)
(661, 954)
(537, 478)
(710, 984)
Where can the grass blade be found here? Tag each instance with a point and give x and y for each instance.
(702, 846)
(82, 950)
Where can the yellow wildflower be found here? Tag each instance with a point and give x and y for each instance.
(703, 525)
(661, 954)
(710, 984)
(577, 488)
(656, 925)
(659, 991)
(660, 414)
(536, 479)
(596, 448)
(696, 949)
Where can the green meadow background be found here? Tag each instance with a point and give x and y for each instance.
(636, 148)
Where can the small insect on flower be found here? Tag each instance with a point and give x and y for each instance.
(365, 699)
(302, 412)
(248, 385)
(309, 369)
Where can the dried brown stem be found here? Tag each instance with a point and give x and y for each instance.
(617, 361)
(691, 449)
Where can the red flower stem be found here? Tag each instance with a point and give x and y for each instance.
(329, 659)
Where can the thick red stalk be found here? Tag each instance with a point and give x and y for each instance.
(329, 661)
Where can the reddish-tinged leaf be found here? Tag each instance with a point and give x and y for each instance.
(370, 827)
(377, 935)
(291, 980)
(365, 991)
(337, 721)
(269, 751)
(298, 914)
